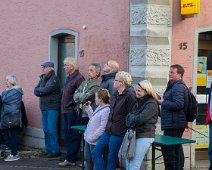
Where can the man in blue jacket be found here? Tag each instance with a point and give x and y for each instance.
(173, 119)
(48, 89)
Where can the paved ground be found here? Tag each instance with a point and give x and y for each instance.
(35, 164)
(31, 160)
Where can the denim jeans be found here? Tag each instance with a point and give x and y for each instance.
(173, 152)
(72, 138)
(11, 140)
(50, 128)
(141, 147)
(114, 143)
(88, 158)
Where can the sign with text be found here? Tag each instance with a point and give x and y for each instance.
(189, 7)
(202, 141)
(201, 71)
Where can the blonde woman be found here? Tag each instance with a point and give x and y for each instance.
(11, 103)
(121, 103)
(143, 118)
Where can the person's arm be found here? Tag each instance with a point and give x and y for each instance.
(143, 116)
(89, 94)
(50, 87)
(178, 98)
(78, 93)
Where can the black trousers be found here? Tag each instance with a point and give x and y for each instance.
(172, 153)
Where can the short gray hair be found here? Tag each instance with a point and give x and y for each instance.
(97, 67)
(11, 79)
(71, 61)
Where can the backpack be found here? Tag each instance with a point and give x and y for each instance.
(191, 107)
(23, 115)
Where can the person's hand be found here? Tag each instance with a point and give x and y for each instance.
(129, 120)
(160, 101)
(87, 104)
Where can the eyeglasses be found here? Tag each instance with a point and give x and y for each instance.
(117, 80)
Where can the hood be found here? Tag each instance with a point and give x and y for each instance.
(18, 88)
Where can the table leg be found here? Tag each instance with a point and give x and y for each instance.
(83, 143)
(178, 156)
(153, 157)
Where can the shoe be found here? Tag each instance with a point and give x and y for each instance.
(67, 163)
(5, 148)
(80, 165)
(11, 158)
(53, 155)
(44, 154)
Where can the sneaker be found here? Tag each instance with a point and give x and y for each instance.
(67, 163)
(11, 158)
(81, 164)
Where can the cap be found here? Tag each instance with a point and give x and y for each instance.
(48, 64)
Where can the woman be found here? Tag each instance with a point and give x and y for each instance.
(11, 103)
(121, 103)
(143, 118)
(97, 123)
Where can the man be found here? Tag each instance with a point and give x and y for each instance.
(110, 69)
(48, 89)
(173, 118)
(86, 91)
(72, 138)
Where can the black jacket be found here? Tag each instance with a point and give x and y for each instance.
(107, 82)
(73, 81)
(120, 106)
(143, 117)
(48, 89)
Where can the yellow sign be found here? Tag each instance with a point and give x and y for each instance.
(190, 7)
(202, 141)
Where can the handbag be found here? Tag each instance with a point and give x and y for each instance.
(127, 149)
(11, 120)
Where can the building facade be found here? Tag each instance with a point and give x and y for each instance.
(144, 36)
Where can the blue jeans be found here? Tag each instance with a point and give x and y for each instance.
(114, 144)
(72, 138)
(50, 128)
(88, 158)
(11, 140)
(141, 147)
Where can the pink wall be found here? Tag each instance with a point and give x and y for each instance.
(25, 27)
(184, 31)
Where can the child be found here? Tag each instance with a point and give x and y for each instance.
(97, 123)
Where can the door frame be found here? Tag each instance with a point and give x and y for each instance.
(53, 44)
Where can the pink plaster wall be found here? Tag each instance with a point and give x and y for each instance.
(184, 31)
(25, 27)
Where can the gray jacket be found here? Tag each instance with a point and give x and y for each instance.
(11, 100)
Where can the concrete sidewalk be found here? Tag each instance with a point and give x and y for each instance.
(31, 160)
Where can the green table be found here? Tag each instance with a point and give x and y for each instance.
(81, 128)
(162, 140)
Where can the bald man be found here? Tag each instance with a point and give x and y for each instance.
(110, 69)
